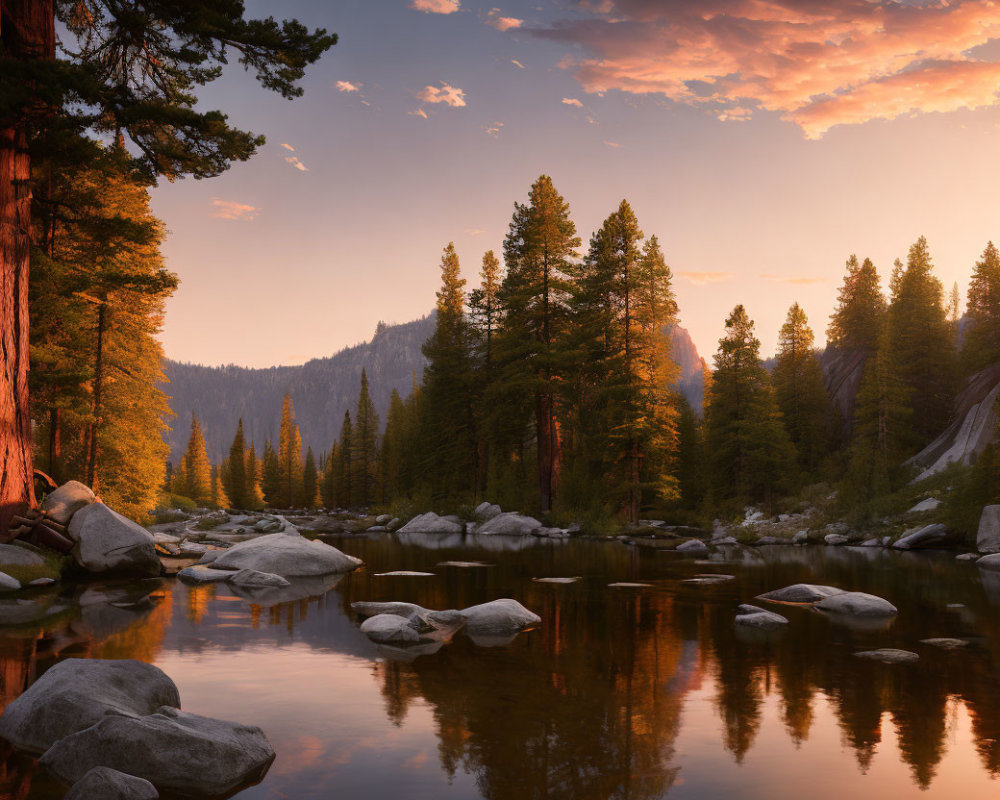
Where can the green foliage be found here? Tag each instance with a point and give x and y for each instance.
(860, 313)
(238, 484)
(289, 494)
(364, 450)
(981, 346)
(310, 482)
(197, 468)
(271, 483)
(342, 466)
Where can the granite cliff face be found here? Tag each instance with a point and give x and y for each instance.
(842, 373)
(324, 388)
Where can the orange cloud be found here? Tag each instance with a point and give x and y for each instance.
(818, 63)
(703, 278)
(436, 6)
(449, 95)
(227, 209)
(797, 281)
(496, 19)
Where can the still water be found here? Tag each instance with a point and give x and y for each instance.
(620, 693)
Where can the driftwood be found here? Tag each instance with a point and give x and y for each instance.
(35, 528)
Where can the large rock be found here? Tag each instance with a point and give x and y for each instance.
(390, 629)
(842, 373)
(65, 501)
(510, 523)
(252, 579)
(801, 593)
(929, 536)
(200, 573)
(990, 562)
(77, 693)
(988, 537)
(109, 544)
(696, 546)
(486, 511)
(176, 751)
(858, 604)
(102, 783)
(500, 617)
(288, 555)
(927, 504)
(754, 617)
(432, 523)
(20, 555)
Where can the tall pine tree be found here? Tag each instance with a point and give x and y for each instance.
(238, 485)
(981, 346)
(197, 468)
(364, 449)
(289, 457)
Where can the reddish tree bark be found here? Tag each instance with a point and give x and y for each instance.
(27, 32)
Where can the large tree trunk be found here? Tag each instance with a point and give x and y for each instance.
(27, 32)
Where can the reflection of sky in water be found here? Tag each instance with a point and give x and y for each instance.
(621, 693)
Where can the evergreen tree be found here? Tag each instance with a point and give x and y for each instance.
(254, 475)
(485, 310)
(981, 346)
(342, 482)
(689, 462)
(238, 485)
(310, 482)
(749, 452)
(539, 252)
(271, 484)
(921, 346)
(799, 390)
(289, 457)
(197, 469)
(860, 313)
(449, 424)
(328, 486)
(219, 497)
(364, 449)
(393, 447)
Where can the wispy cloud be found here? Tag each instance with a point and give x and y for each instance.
(348, 86)
(418, 113)
(294, 161)
(818, 63)
(493, 129)
(228, 209)
(287, 146)
(572, 101)
(474, 232)
(792, 279)
(517, 63)
(445, 93)
(705, 278)
(436, 6)
(616, 145)
(496, 19)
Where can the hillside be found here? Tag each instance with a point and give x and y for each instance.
(323, 389)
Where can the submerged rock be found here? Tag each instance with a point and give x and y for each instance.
(175, 751)
(888, 655)
(801, 593)
(432, 523)
(65, 501)
(629, 585)
(754, 617)
(288, 555)
(199, 573)
(709, 578)
(252, 579)
(463, 564)
(988, 537)
(946, 643)
(858, 604)
(696, 546)
(77, 693)
(404, 574)
(108, 543)
(102, 783)
(990, 562)
(390, 629)
(556, 580)
(928, 536)
(498, 617)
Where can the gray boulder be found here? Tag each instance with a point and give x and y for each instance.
(801, 537)
(77, 693)
(801, 593)
(696, 546)
(858, 604)
(928, 504)
(65, 501)
(109, 544)
(835, 539)
(754, 617)
(498, 617)
(432, 523)
(176, 751)
(383, 519)
(394, 524)
(888, 655)
(509, 523)
(928, 536)
(988, 537)
(252, 579)
(200, 573)
(990, 562)
(390, 629)
(765, 540)
(288, 555)
(20, 555)
(102, 783)
(486, 511)
(8, 584)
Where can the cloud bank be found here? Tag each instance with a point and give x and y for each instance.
(818, 63)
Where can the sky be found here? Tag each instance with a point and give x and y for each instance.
(762, 141)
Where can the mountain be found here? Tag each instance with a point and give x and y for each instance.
(324, 388)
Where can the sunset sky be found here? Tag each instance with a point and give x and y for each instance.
(763, 141)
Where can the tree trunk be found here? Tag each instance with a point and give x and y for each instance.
(95, 424)
(27, 32)
(55, 443)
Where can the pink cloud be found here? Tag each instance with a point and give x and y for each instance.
(496, 19)
(704, 278)
(572, 101)
(227, 209)
(818, 63)
(449, 95)
(436, 6)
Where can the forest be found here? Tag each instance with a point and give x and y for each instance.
(550, 388)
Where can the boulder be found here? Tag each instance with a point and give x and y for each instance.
(65, 501)
(888, 655)
(928, 504)
(109, 544)
(102, 783)
(801, 537)
(696, 546)
(928, 536)
(383, 519)
(252, 579)
(801, 593)
(765, 540)
(871, 543)
(432, 523)
(394, 524)
(498, 617)
(835, 539)
(288, 555)
(390, 629)
(77, 693)
(20, 555)
(8, 584)
(755, 617)
(988, 537)
(858, 604)
(176, 751)
(510, 523)
(946, 643)
(486, 511)
(967, 557)
(720, 541)
(990, 562)
(200, 573)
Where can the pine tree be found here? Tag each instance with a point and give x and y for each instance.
(310, 482)
(289, 457)
(689, 461)
(271, 483)
(857, 321)
(364, 449)
(799, 390)
(328, 484)
(342, 482)
(485, 309)
(254, 474)
(219, 497)
(197, 469)
(982, 336)
(237, 487)
(539, 252)
(393, 446)
(750, 453)
(921, 346)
